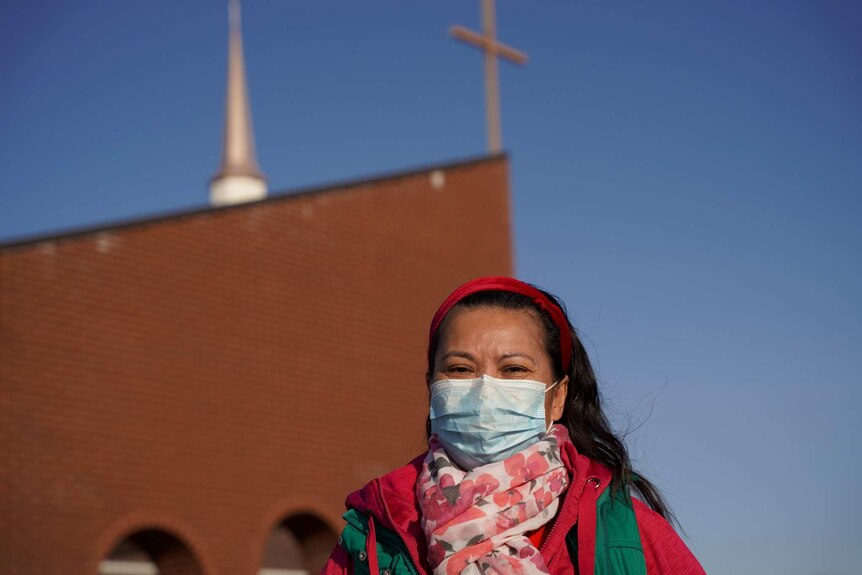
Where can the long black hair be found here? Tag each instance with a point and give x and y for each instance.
(589, 428)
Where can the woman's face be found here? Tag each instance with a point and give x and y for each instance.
(502, 343)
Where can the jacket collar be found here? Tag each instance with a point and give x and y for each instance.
(588, 478)
(391, 500)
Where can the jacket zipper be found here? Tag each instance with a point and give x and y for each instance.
(414, 561)
(606, 555)
(555, 526)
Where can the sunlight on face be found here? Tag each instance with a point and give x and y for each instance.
(502, 343)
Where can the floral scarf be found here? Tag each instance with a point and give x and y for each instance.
(475, 521)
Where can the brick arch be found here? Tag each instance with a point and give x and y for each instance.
(300, 538)
(171, 549)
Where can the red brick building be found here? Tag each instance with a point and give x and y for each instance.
(201, 390)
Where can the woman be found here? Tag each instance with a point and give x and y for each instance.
(523, 473)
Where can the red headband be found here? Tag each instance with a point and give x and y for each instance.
(503, 283)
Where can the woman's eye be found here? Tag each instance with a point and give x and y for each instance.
(458, 369)
(514, 369)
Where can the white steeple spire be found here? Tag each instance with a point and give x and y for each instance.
(239, 178)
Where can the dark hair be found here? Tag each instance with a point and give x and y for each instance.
(588, 426)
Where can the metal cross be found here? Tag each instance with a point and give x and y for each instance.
(487, 41)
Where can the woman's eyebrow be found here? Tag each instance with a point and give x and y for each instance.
(463, 354)
(517, 354)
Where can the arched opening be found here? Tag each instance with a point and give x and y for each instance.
(150, 552)
(298, 545)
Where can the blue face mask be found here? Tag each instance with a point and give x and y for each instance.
(484, 420)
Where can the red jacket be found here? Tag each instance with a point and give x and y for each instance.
(392, 503)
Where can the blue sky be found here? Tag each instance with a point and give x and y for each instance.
(686, 175)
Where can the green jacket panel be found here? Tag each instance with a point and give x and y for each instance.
(392, 556)
(618, 542)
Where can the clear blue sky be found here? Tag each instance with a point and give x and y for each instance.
(685, 175)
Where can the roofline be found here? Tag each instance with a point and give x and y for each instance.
(277, 197)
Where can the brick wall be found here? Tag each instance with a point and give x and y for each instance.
(212, 373)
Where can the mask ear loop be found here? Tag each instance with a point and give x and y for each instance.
(547, 389)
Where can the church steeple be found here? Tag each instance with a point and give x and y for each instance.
(239, 178)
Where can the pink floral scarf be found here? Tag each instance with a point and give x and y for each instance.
(475, 521)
